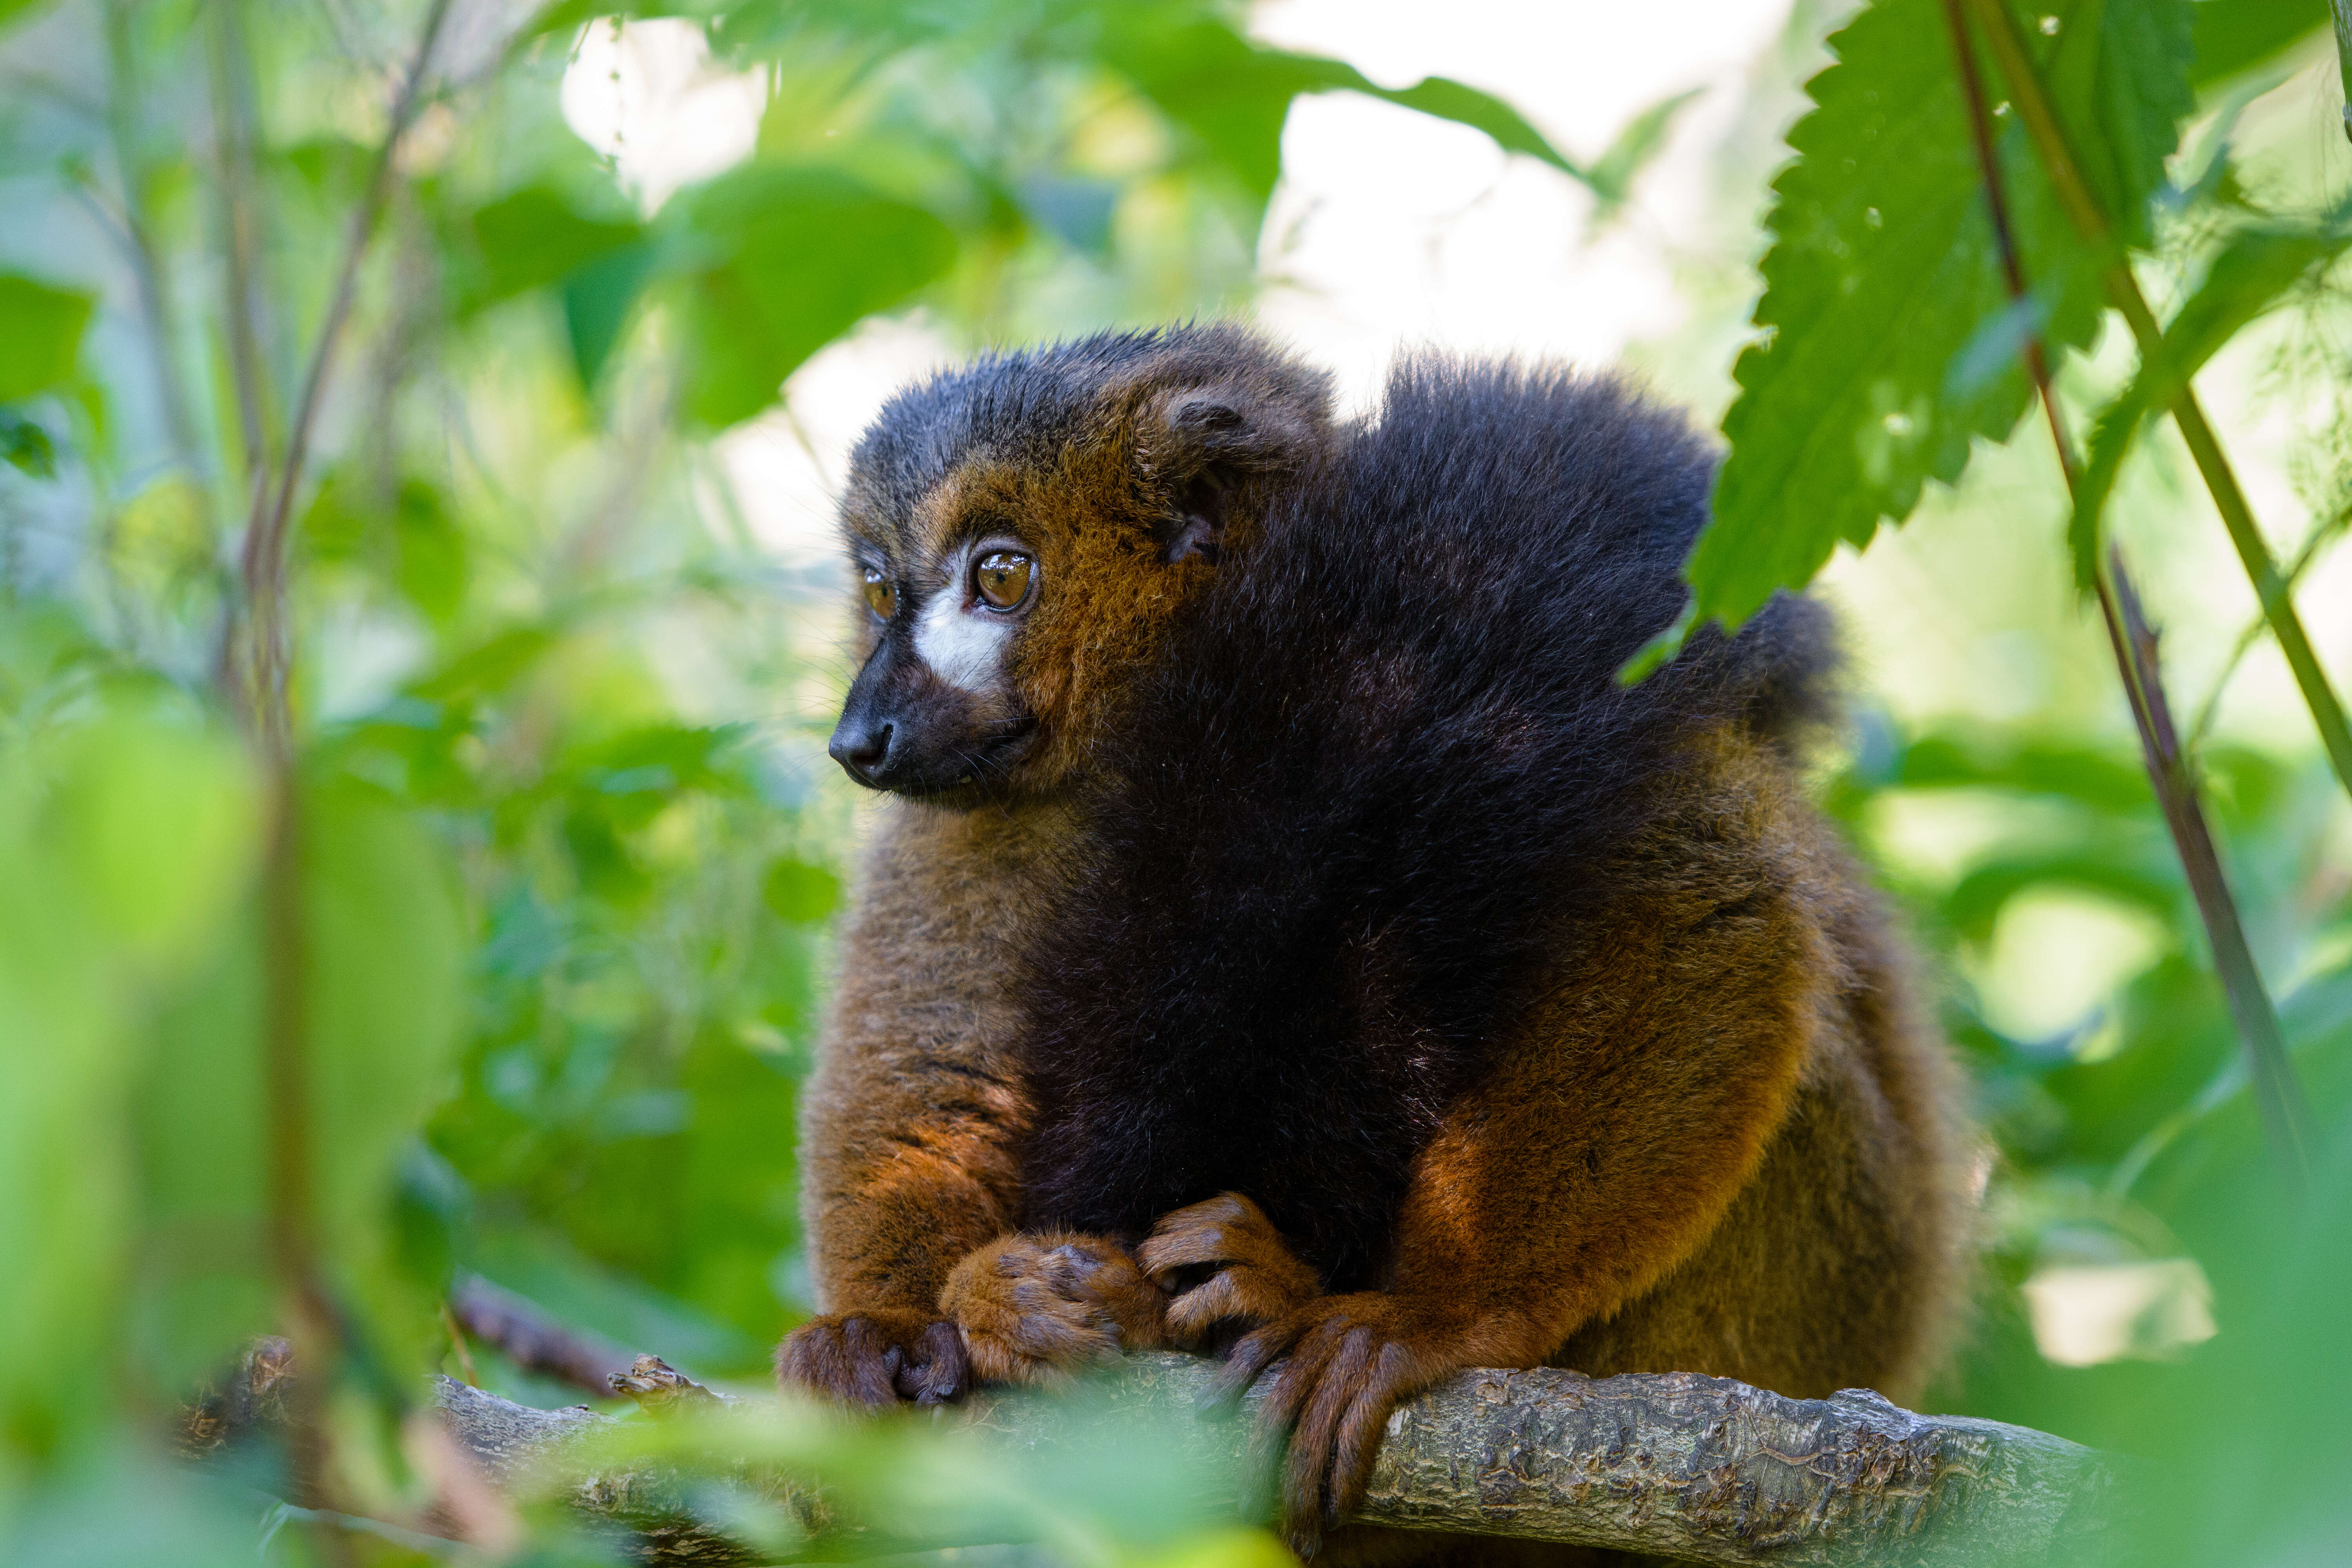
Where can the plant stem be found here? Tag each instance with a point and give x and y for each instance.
(233, 138)
(264, 678)
(2343, 12)
(2285, 1119)
(265, 539)
(2066, 176)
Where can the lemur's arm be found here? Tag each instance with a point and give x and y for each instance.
(911, 1128)
(1627, 1108)
(911, 1123)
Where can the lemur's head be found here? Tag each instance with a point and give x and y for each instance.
(1020, 529)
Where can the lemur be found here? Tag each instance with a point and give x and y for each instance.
(1291, 940)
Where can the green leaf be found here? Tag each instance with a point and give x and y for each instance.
(1645, 137)
(1883, 272)
(26, 446)
(41, 328)
(535, 236)
(597, 299)
(2252, 271)
(123, 844)
(382, 953)
(786, 259)
(2234, 36)
(801, 893)
(1234, 96)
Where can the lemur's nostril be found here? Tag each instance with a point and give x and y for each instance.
(862, 750)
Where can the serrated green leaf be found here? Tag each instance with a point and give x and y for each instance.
(2250, 274)
(41, 328)
(788, 259)
(1883, 272)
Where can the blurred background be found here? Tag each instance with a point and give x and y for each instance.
(567, 623)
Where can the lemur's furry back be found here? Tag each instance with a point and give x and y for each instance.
(1383, 758)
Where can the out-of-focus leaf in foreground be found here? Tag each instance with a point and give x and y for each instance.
(123, 844)
(40, 334)
(784, 260)
(382, 943)
(1892, 340)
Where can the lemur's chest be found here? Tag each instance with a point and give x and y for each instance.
(1316, 1111)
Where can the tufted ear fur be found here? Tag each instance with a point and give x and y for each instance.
(1218, 432)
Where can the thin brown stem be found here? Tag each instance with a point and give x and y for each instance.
(264, 563)
(241, 225)
(264, 669)
(2083, 208)
(2134, 643)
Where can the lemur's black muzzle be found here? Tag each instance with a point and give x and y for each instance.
(904, 730)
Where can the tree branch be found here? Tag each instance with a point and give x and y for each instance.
(1700, 1468)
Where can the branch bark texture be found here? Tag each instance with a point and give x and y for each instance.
(1676, 1464)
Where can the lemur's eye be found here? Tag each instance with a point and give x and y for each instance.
(881, 594)
(1001, 578)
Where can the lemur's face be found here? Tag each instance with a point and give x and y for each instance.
(1019, 534)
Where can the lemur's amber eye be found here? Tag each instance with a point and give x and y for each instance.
(1001, 578)
(881, 594)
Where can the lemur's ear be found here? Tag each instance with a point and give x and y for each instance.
(1216, 447)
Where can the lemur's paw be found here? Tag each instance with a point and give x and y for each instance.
(1037, 1307)
(1225, 1264)
(1352, 1359)
(876, 1356)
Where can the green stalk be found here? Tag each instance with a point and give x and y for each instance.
(2343, 10)
(2285, 1116)
(2066, 174)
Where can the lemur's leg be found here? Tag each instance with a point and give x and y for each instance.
(1035, 1307)
(1626, 1109)
(1225, 1266)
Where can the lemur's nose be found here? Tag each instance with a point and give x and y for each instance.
(860, 747)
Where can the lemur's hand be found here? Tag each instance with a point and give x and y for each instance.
(879, 1355)
(1352, 1359)
(1225, 1264)
(1037, 1307)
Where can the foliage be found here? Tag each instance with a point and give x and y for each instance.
(567, 850)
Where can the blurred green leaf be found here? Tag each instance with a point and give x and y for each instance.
(2233, 37)
(786, 259)
(24, 446)
(1883, 270)
(537, 236)
(123, 842)
(597, 299)
(42, 339)
(800, 892)
(384, 942)
(1234, 95)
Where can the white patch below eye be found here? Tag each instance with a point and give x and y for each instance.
(963, 647)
